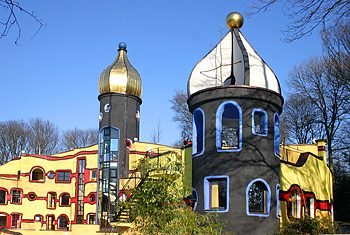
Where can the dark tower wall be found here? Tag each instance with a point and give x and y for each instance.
(255, 160)
(124, 115)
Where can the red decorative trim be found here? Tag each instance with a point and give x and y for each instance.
(87, 199)
(6, 196)
(53, 220)
(31, 172)
(321, 148)
(77, 188)
(8, 220)
(19, 219)
(42, 218)
(20, 197)
(58, 222)
(60, 199)
(56, 158)
(64, 182)
(28, 194)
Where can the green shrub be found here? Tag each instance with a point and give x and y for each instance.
(308, 226)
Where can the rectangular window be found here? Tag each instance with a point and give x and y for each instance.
(16, 196)
(3, 220)
(63, 176)
(2, 196)
(51, 200)
(259, 122)
(93, 175)
(50, 223)
(216, 193)
(15, 220)
(91, 219)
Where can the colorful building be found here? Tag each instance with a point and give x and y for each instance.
(235, 165)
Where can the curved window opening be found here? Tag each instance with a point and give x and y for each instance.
(310, 207)
(198, 132)
(62, 222)
(65, 199)
(278, 208)
(194, 199)
(259, 122)
(258, 197)
(216, 193)
(295, 204)
(229, 127)
(37, 175)
(277, 137)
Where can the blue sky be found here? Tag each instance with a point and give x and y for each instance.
(55, 74)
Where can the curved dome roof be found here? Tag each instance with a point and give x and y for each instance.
(249, 68)
(121, 76)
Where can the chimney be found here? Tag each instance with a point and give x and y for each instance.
(321, 148)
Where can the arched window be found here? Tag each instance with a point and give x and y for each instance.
(294, 204)
(229, 127)
(65, 199)
(277, 137)
(63, 222)
(258, 196)
(37, 174)
(278, 212)
(198, 132)
(259, 122)
(194, 199)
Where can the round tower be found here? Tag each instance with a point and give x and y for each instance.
(236, 101)
(120, 99)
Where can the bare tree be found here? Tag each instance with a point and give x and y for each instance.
(43, 136)
(182, 115)
(13, 139)
(156, 134)
(78, 138)
(302, 118)
(307, 15)
(10, 12)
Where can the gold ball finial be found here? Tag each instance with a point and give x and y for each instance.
(234, 20)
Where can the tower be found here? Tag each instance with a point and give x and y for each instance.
(120, 99)
(235, 99)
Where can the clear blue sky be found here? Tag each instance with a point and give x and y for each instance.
(55, 74)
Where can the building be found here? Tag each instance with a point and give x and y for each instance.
(235, 164)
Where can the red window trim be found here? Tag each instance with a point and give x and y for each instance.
(6, 195)
(58, 221)
(47, 201)
(19, 219)
(70, 200)
(63, 182)
(31, 172)
(20, 197)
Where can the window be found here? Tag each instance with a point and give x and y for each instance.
(294, 204)
(258, 196)
(51, 200)
(93, 175)
(63, 222)
(198, 132)
(278, 208)
(65, 199)
(16, 196)
(3, 220)
(2, 196)
(63, 176)
(216, 193)
(91, 218)
(277, 137)
(31, 196)
(109, 144)
(50, 222)
(310, 207)
(194, 199)
(259, 122)
(229, 127)
(38, 218)
(37, 175)
(92, 198)
(15, 220)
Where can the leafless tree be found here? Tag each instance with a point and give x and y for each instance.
(13, 139)
(155, 136)
(302, 117)
(182, 115)
(43, 136)
(78, 138)
(10, 14)
(307, 15)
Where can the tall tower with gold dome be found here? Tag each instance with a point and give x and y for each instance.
(120, 99)
(235, 99)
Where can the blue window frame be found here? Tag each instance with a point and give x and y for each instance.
(278, 214)
(229, 127)
(258, 197)
(277, 137)
(194, 199)
(198, 132)
(216, 193)
(259, 122)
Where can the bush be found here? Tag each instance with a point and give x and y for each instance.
(308, 225)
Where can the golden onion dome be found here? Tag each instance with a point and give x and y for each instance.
(121, 76)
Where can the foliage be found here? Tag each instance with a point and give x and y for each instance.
(182, 115)
(157, 205)
(307, 15)
(308, 225)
